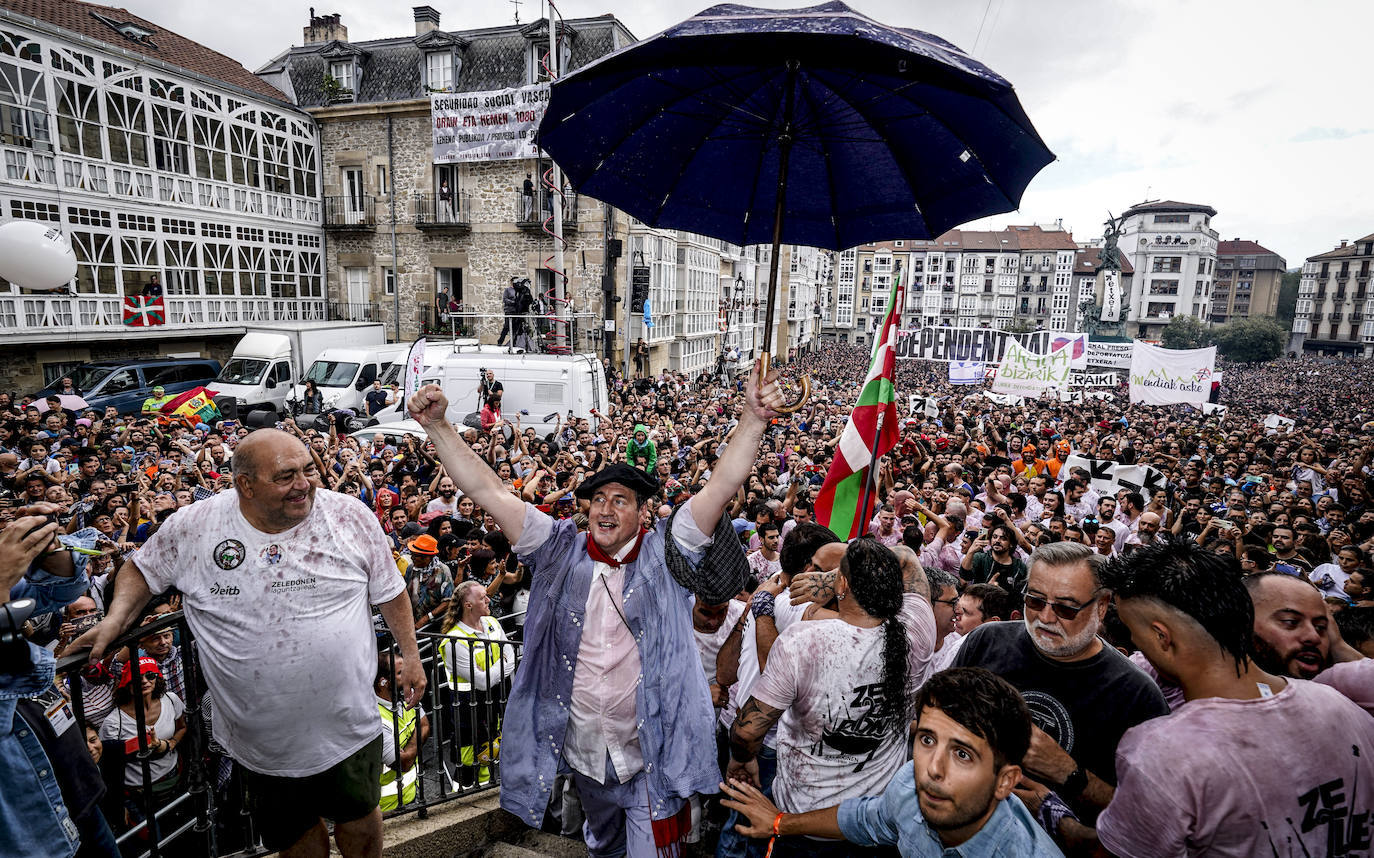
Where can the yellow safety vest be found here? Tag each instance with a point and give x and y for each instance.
(481, 656)
(407, 728)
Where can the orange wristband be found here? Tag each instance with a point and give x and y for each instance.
(777, 820)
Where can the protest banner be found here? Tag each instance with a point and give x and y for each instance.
(490, 125)
(966, 372)
(1093, 379)
(1111, 295)
(1024, 373)
(986, 345)
(1276, 423)
(1114, 355)
(1161, 376)
(1107, 477)
(923, 405)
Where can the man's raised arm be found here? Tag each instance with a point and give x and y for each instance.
(761, 398)
(467, 470)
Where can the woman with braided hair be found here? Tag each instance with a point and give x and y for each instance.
(842, 685)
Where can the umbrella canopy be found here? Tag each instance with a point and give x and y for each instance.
(874, 132)
(69, 402)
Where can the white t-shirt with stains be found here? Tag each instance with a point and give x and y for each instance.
(283, 622)
(827, 675)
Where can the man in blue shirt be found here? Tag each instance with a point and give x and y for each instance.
(33, 815)
(955, 799)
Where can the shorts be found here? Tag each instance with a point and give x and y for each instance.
(283, 809)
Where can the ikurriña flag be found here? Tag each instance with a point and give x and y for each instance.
(850, 492)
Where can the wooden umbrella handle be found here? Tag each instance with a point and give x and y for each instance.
(804, 382)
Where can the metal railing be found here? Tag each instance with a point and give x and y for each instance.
(532, 211)
(350, 212)
(444, 210)
(341, 311)
(45, 315)
(206, 813)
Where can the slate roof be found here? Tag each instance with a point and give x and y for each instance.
(1169, 206)
(492, 58)
(161, 44)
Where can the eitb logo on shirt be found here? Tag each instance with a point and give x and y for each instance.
(229, 554)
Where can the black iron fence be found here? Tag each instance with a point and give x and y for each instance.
(350, 212)
(532, 210)
(342, 311)
(447, 747)
(444, 209)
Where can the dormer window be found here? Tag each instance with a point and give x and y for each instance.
(439, 71)
(342, 71)
(537, 45)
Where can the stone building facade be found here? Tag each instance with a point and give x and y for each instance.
(403, 229)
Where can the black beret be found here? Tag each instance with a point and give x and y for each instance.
(632, 478)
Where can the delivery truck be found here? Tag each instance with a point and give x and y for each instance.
(270, 361)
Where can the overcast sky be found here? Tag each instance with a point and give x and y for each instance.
(1259, 109)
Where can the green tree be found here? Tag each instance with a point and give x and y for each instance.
(1251, 340)
(1288, 297)
(1185, 332)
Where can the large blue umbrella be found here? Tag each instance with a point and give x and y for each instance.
(815, 126)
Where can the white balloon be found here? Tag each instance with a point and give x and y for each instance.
(34, 255)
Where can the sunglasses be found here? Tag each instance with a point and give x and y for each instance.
(1061, 610)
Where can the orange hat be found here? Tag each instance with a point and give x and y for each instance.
(1065, 446)
(424, 544)
(1029, 448)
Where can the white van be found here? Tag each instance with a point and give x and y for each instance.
(269, 361)
(543, 387)
(343, 375)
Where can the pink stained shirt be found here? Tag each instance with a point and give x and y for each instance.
(1282, 775)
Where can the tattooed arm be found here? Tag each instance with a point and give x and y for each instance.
(752, 723)
(914, 578)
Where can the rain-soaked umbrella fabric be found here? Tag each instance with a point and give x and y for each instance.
(895, 133)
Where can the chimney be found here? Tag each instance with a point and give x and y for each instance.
(324, 28)
(426, 19)
(1343, 243)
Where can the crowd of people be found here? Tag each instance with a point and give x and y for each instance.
(1020, 650)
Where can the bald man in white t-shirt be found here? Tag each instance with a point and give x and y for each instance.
(277, 583)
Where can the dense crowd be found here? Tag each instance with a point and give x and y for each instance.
(993, 546)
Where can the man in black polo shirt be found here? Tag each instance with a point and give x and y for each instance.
(1083, 694)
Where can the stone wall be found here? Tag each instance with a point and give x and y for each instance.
(489, 254)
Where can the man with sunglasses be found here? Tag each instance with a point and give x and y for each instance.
(1083, 694)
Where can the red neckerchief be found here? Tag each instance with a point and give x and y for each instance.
(600, 556)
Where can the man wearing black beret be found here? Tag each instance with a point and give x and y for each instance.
(611, 691)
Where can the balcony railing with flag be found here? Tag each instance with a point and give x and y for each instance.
(47, 315)
(445, 210)
(204, 811)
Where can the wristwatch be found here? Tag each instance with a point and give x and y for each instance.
(1074, 784)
